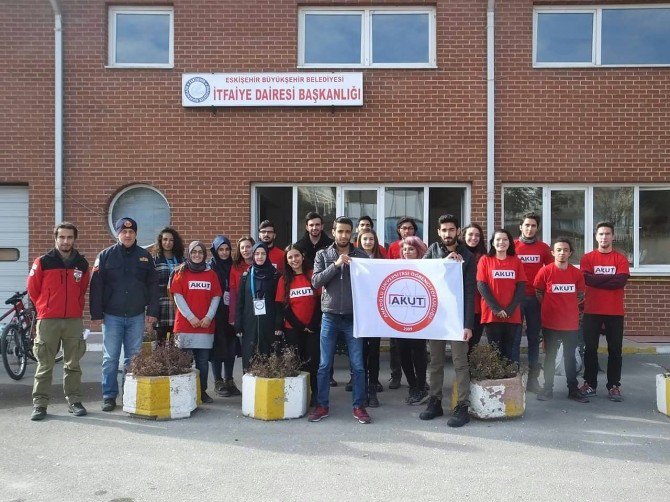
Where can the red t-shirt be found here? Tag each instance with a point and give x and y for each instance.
(395, 250)
(302, 298)
(533, 256)
(598, 300)
(198, 289)
(560, 308)
(276, 256)
(501, 276)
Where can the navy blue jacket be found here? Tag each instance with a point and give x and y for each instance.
(124, 283)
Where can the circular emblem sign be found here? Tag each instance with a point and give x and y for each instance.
(197, 89)
(407, 301)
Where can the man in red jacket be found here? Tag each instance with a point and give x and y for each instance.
(57, 286)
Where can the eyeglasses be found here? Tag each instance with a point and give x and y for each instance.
(266, 232)
(404, 227)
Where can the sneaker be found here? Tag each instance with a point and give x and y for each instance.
(108, 404)
(434, 409)
(318, 413)
(378, 386)
(206, 398)
(39, 413)
(232, 388)
(361, 415)
(460, 416)
(587, 390)
(219, 385)
(615, 394)
(576, 395)
(373, 400)
(394, 383)
(77, 409)
(333, 382)
(545, 395)
(350, 384)
(410, 395)
(419, 397)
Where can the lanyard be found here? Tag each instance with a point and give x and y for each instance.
(171, 263)
(253, 289)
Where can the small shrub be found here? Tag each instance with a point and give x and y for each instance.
(486, 363)
(164, 360)
(150, 336)
(279, 364)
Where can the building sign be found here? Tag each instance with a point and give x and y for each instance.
(272, 89)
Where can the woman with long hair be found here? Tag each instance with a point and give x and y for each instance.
(197, 293)
(255, 310)
(501, 281)
(169, 249)
(413, 358)
(299, 312)
(473, 237)
(367, 241)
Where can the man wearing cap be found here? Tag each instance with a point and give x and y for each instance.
(124, 286)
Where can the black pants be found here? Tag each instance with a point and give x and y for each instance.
(396, 368)
(552, 339)
(371, 359)
(477, 330)
(309, 352)
(501, 334)
(413, 361)
(593, 324)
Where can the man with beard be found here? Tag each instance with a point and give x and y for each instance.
(57, 285)
(267, 235)
(315, 238)
(450, 248)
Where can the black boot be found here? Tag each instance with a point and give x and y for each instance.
(373, 401)
(460, 416)
(434, 409)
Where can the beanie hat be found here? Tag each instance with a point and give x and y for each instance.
(123, 223)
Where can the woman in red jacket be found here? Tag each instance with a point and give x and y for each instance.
(197, 293)
(299, 312)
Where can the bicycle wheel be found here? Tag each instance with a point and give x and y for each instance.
(13, 353)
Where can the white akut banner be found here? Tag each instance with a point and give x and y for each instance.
(272, 89)
(420, 299)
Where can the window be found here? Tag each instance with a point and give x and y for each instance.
(639, 215)
(385, 204)
(9, 254)
(144, 204)
(141, 37)
(367, 37)
(602, 36)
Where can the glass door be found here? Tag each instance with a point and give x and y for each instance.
(567, 219)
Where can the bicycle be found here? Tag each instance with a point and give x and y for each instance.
(18, 336)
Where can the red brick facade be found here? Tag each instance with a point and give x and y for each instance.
(127, 126)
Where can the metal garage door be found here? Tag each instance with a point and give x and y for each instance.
(13, 241)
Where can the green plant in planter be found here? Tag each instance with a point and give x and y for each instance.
(283, 363)
(164, 360)
(486, 363)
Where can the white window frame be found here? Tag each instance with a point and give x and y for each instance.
(113, 11)
(110, 208)
(429, 228)
(366, 35)
(636, 268)
(596, 50)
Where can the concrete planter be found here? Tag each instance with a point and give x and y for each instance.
(275, 398)
(161, 397)
(504, 398)
(663, 393)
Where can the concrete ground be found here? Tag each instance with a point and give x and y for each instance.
(558, 450)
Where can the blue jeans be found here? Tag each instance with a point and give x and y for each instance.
(331, 326)
(118, 331)
(201, 359)
(530, 311)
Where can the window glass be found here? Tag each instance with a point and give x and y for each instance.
(359, 203)
(399, 202)
(275, 204)
(321, 199)
(616, 206)
(654, 227)
(518, 201)
(636, 36)
(147, 206)
(564, 37)
(9, 254)
(568, 218)
(333, 38)
(400, 38)
(444, 200)
(142, 38)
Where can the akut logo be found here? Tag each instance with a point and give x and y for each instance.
(407, 301)
(205, 285)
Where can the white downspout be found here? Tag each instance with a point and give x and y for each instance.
(490, 118)
(58, 111)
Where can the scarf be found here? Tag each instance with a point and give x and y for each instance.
(221, 267)
(196, 267)
(527, 241)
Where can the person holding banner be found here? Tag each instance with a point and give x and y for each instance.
(450, 248)
(501, 280)
(332, 273)
(413, 351)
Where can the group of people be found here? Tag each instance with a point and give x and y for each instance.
(252, 298)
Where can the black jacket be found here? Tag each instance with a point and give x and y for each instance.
(305, 243)
(437, 250)
(124, 283)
